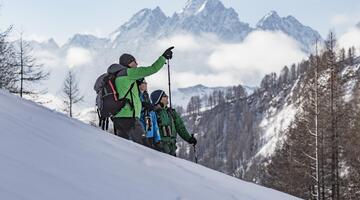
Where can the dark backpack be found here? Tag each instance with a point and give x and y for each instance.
(107, 100)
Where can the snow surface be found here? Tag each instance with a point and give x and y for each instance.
(274, 125)
(351, 83)
(46, 155)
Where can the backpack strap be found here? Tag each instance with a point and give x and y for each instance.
(132, 99)
(104, 122)
(129, 91)
(113, 90)
(171, 112)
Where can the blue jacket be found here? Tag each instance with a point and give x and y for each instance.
(154, 132)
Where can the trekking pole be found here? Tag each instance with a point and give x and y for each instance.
(196, 158)
(169, 80)
(195, 154)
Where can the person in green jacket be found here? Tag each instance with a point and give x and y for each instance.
(169, 122)
(126, 122)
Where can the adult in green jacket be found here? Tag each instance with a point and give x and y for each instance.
(170, 123)
(126, 122)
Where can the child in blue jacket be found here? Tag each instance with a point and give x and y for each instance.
(148, 118)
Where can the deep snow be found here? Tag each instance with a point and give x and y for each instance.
(46, 155)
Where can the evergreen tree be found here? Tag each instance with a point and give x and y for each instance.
(239, 92)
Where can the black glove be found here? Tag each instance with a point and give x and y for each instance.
(168, 53)
(147, 106)
(192, 140)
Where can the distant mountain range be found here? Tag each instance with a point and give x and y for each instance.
(182, 95)
(207, 16)
(148, 26)
(198, 16)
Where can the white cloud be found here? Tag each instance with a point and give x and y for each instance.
(187, 79)
(350, 38)
(48, 59)
(261, 51)
(183, 43)
(205, 60)
(78, 56)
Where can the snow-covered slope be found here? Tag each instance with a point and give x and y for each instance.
(45, 155)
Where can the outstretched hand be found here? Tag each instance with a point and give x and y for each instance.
(168, 53)
(192, 140)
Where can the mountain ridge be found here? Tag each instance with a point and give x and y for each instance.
(202, 16)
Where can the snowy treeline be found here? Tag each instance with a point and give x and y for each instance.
(317, 155)
(320, 158)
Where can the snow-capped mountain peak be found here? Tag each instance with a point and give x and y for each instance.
(208, 16)
(271, 16)
(289, 25)
(50, 44)
(358, 25)
(86, 41)
(197, 6)
(144, 15)
(192, 6)
(146, 22)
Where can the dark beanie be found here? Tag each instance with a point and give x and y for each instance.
(141, 81)
(126, 59)
(156, 96)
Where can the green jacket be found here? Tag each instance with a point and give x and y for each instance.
(170, 118)
(124, 81)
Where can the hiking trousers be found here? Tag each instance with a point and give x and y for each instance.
(169, 145)
(130, 129)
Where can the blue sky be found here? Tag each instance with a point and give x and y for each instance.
(61, 19)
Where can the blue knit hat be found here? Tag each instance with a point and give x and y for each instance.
(156, 96)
